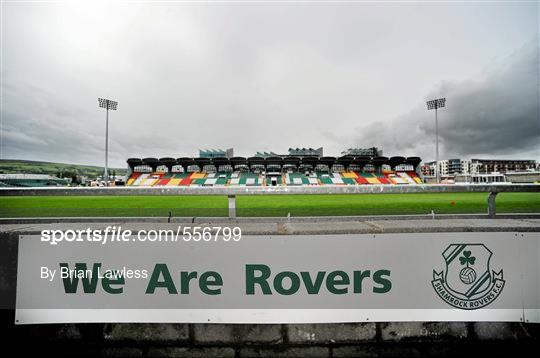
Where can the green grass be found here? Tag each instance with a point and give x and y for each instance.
(13, 166)
(385, 204)
(39, 206)
(278, 205)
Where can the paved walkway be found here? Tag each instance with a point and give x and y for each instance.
(313, 227)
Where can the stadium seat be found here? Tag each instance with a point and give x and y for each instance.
(132, 178)
(176, 178)
(198, 175)
(186, 180)
(198, 181)
(396, 179)
(337, 180)
(222, 178)
(349, 175)
(140, 179)
(324, 178)
(415, 177)
(313, 181)
(152, 179)
(210, 181)
(225, 178)
(384, 180)
(349, 181)
(249, 179)
(163, 181)
(406, 178)
(361, 180)
(296, 179)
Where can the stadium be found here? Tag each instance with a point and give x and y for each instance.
(214, 185)
(273, 171)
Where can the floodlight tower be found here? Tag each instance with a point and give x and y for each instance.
(436, 104)
(107, 104)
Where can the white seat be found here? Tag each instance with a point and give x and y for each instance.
(140, 179)
(406, 177)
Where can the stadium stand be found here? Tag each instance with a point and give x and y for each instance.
(273, 171)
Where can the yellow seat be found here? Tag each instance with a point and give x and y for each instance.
(351, 175)
(373, 180)
(174, 181)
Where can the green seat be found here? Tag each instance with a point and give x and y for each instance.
(221, 181)
(326, 180)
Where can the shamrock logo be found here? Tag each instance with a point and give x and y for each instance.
(467, 275)
(467, 259)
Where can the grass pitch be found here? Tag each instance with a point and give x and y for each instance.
(266, 205)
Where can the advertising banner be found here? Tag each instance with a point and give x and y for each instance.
(460, 276)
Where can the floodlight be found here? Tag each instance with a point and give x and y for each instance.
(108, 105)
(435, 104)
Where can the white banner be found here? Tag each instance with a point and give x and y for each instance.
(281, 279)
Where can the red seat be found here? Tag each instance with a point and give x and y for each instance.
(361, 180)
(185, 181)
(163, 181)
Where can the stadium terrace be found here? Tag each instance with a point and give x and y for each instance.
(274, 171)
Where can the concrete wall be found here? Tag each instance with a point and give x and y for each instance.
(316, 340)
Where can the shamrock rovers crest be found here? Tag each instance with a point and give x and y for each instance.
(467, 281)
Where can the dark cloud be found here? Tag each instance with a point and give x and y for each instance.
(265, 77)
(494, 115)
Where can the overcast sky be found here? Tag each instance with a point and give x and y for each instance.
(267, 77)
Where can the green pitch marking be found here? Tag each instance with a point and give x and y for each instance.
(266, 205)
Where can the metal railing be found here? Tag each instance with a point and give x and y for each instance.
(231, 192)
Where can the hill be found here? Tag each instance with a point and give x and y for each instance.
(61, 170)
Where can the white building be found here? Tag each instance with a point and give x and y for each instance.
(479, 170)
